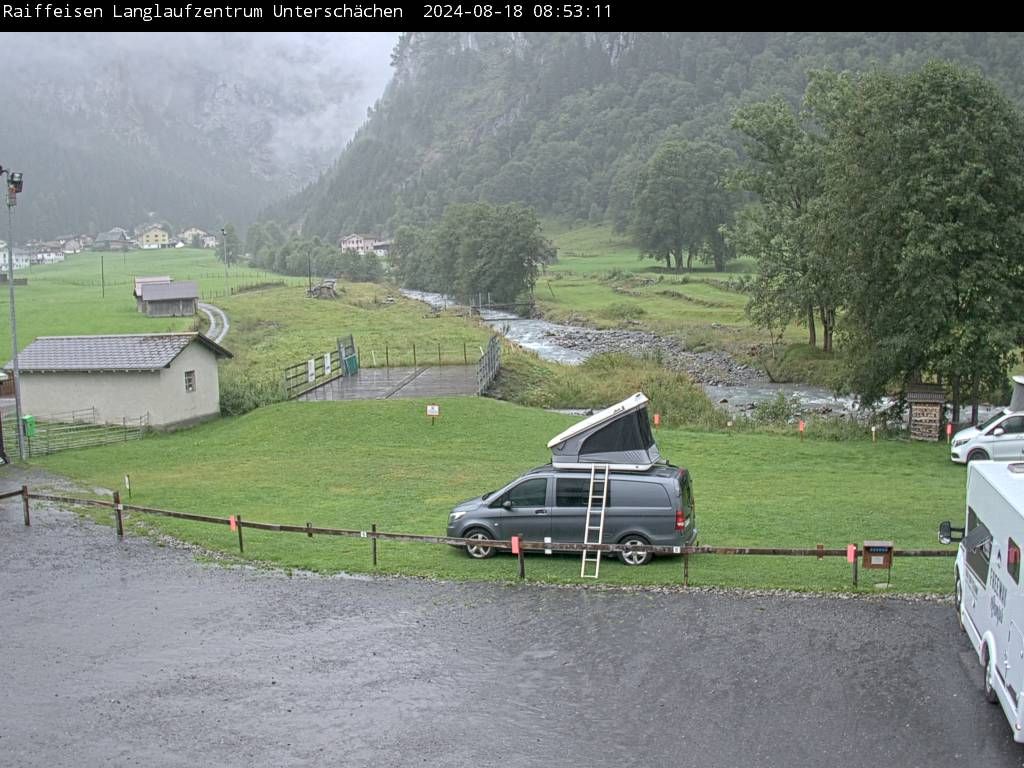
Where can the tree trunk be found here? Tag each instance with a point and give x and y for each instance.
(668, 260)
(718, 249)
(974, 401)
(956, 399)
(812, 333)
(689, 259)
(828, 322)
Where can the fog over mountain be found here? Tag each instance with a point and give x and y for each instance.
(193, 128)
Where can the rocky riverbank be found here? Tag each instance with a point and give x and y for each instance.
(711, 368)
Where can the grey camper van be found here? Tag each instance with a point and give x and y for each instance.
(646, 500)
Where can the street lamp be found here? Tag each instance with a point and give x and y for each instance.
(14, 185)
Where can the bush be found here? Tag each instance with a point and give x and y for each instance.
(241, 391)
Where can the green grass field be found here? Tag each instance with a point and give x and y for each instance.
(71, 298)
(354, 464)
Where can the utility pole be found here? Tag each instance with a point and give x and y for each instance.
(224, 237)
(14, 184)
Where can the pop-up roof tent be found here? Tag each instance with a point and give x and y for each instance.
(1017, 399)
(619, 436)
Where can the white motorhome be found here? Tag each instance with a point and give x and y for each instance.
(989, 594)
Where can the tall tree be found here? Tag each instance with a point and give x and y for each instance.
(682, 203)
(924, 194)
(795, 264)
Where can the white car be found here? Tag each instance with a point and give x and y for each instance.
(1000, 438)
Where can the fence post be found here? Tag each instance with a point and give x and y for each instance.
(238, 524)
(465, 354)
(117, 514)
(387, 357)
(439, 354)
(414, 355)
(686, 569)
(373, 544)
(24, 503)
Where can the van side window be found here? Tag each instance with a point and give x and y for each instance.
(978, 556)
(629, 493)
(572, 492)
(1013, 561)
(532, 493)
(1013, 425)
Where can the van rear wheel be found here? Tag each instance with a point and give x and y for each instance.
(632, 557)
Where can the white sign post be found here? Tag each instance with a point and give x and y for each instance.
(433, 411)
(311, 370)
(327, 364)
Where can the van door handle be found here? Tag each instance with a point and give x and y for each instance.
(540, 511)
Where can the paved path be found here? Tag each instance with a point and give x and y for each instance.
(387, 383)
(133, 654)
(219, 325)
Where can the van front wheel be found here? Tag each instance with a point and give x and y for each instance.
(632, 557)
(476, 548)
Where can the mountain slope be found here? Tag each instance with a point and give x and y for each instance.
(564, 121)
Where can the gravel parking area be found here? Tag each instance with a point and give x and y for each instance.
(135, 654)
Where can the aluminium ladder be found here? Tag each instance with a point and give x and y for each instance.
(593, 533)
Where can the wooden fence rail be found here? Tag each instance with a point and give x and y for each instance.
(374, 536)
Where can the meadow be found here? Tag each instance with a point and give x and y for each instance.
(353, 464)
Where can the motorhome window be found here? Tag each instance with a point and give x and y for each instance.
(977, 545)
(573, 491)
(532, 493)
(1013, 561)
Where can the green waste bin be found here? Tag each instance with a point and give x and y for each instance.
(28, 425)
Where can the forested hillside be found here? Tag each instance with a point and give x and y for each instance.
(565, 122)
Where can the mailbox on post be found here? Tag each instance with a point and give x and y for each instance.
(878, 554)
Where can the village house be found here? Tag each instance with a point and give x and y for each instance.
(209, 241)
(154, 236)
(361, 244)
(114, 240)
(169, 378)
(192, 235)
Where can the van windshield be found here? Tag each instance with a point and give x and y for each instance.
(991, 420)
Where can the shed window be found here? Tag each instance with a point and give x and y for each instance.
(190, 381)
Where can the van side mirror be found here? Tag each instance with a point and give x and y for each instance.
(948, 534)
(506, 504)
(998, 432)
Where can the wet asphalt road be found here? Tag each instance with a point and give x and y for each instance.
(134, 654)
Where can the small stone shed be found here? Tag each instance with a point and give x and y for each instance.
(171, 377)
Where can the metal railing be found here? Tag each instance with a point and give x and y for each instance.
(75, 429)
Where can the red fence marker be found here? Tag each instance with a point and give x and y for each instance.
(232, 524)
(515, 545)
(657, 420)
(949, 432)
(851, 553)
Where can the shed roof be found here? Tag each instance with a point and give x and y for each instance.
(141, 281)
(183, 289)
(121, 352)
